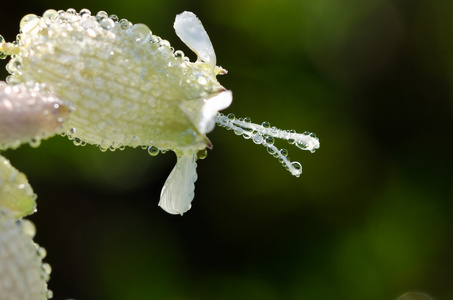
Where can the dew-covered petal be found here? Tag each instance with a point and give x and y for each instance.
(190, 30)
(16, 193)
(22, 272)
(178, 191)
(126, 84)
(29, 113)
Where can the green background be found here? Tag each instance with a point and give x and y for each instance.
(370, 217)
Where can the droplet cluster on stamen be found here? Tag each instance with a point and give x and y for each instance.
(265, 135)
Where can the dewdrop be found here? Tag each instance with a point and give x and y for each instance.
(131, 88)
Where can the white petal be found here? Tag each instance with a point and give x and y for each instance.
(190, 30)
(178, 190)
(202, 113)
(210, 110)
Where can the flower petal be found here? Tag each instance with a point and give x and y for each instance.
(178, 190)
(203, 114)
(190, 30)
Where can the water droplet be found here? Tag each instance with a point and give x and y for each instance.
(257, 138)
(284, 152)
(246, 135)
(202, 154)
(270, 150)
(77, 141)
(296, 166)
(125, 24)
(71, 11)
(231, 116)
(49, 294)
(301, 145)
(153, 151)
(72, 131)
(47, 269)
(28, 228)
(266, 124)
(107, 23)
(270, 140)
(164, 43)
(179, 54)
(101, 15)
(34, 142)
(85, 11)
(49, 15)
(42, 252)
(114, 18)
(313, 135)
(13, 66)
(247, 120)
(140, 33)
(28, 22)
(155, 39)
(290, 140)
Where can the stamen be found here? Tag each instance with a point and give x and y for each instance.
(264, 134)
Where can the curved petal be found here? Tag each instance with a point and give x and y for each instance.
(202, 114)
(190, 30)
(211, 108)
(178, 190)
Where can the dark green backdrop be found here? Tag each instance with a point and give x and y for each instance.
(370, 218)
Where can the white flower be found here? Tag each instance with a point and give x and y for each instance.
(130, 88)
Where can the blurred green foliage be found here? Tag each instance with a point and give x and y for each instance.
(370, 218)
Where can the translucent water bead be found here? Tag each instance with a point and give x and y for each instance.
(140, 33)
(29, 22)
(265, 135)
(153, 151)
